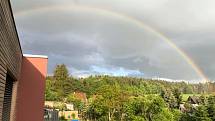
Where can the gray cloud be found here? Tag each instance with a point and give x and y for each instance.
(85, 39)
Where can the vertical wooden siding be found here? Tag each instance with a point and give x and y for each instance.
(10, 50)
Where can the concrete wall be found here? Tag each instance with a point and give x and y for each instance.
(31, 89)
(69, 114)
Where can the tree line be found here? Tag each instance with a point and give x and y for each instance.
(128, 98)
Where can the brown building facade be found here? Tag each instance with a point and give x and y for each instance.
(22, 78)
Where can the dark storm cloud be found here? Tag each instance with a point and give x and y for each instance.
(92, 43)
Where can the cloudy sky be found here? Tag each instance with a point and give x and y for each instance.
(104, 37)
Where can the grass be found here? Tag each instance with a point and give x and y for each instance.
(185, 96)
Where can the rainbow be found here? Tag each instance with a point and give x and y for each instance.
(125, 17)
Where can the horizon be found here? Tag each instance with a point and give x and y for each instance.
(139, 77)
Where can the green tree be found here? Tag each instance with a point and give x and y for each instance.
(109, 101)
(50, 94)
(169, 98)
(178, 97)
(187, 117)
(164, 115)
(211, 107)
(176, 114)
(147, 108)
(78, 104)
(201, 114)
(62, 82)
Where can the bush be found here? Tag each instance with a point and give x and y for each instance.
(62, 118)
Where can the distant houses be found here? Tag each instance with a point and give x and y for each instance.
(191, 103)
(81, 96)
(193, 100)
(66, 110)
(50, 115)
(69, 115)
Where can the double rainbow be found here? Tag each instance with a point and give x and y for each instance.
(125, 17)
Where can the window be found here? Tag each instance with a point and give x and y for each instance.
(7, 99)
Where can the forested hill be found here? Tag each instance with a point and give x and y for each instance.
(142, 86)
(63, 84)
(130, 99)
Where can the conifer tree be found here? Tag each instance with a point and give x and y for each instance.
(62, 81)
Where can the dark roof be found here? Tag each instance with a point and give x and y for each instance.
(194, 99)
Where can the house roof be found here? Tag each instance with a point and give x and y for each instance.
(80, 95)
(194, 99)
(35, 56)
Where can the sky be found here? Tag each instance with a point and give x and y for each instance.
(101, 36)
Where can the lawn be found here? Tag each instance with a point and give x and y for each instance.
(185, 96)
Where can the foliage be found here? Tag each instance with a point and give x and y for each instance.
(201, 114)
(62, 118)
(50, 94)
(60, 106)
(177, 114)
(150, 107)
(76, 102)
(62, 81)
(129, 98)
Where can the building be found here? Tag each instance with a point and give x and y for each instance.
(70, 107)
(193, 100)
(22, 77)
(51, 115)
(191, 104)
(55, 105)
(81, 96)
(182, 108)
(69, 115)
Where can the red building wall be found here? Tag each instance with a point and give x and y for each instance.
(31, 89)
